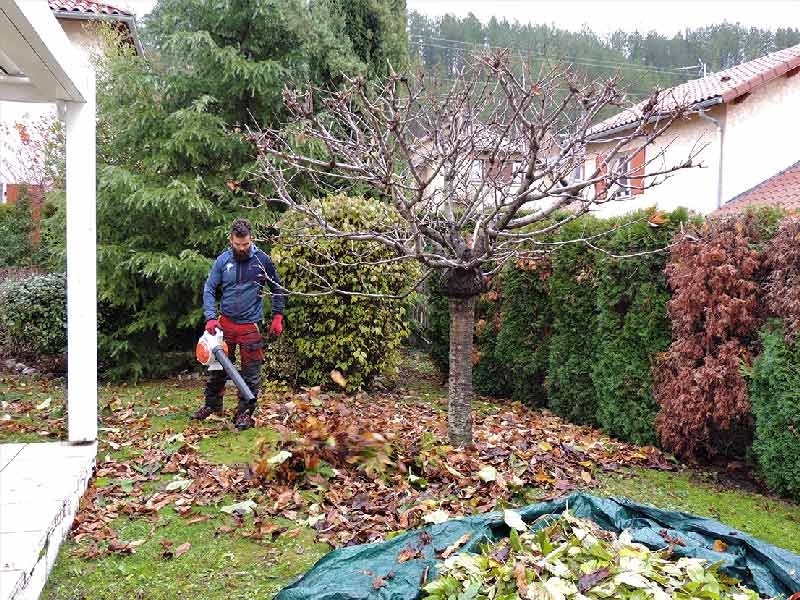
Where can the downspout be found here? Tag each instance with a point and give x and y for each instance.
(721, 137)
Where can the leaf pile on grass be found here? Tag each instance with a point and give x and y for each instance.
(375, 464)
(24, 413)
(571, 558)
(135, 487)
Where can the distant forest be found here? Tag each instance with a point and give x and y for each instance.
(643, 60)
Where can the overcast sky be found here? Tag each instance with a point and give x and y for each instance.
(605, 16)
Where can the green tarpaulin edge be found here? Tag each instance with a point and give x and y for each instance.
(371, 571)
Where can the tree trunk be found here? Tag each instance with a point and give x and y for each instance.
(459, 400)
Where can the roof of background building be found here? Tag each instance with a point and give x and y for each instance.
(782, 189)
(87, 7)
(725, 86)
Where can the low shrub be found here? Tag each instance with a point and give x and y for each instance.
(33, 316)
(357, 335)
(775, 398)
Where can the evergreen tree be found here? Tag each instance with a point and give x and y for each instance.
(376, 30)
(174, 162)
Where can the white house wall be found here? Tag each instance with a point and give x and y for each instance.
(761, 136)
(693, 188)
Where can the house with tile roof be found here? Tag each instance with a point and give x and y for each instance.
(80, 20)
(741, 128)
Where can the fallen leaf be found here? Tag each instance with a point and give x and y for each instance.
(182, 549)
(198, 519)
(338, 379)
(179, 485)
(521, 577)
(719, 546)
(589, 580)
(487, 474)
(456, 545)
(279, 458)
(410, 552)
(436, 517)
(513, 519)
(240, 508)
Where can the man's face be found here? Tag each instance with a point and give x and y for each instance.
(241, 246)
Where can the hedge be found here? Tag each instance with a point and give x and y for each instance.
(523, 338)
(632, 324)
(572, 346)
(775, 399)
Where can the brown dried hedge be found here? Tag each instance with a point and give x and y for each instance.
(782, 263)
(704, 408)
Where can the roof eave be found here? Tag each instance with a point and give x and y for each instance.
(593, 138)
(129, 20)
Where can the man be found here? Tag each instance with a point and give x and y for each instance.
(241, 271)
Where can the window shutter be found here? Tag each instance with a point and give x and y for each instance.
(637, 173)
(601, 186)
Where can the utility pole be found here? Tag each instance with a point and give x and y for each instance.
(700, 66)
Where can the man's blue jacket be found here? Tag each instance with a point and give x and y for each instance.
(242, 282)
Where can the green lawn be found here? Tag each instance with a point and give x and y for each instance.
(222, 561)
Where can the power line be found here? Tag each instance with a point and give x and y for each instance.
(451, 80)
(530, 51)
(582, 61)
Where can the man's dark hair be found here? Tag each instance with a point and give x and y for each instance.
(241, 228)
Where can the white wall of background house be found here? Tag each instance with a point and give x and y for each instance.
(694, 188)
(762, 135)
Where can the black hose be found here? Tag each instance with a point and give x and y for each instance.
(233, 374)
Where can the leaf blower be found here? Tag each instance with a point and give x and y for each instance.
(212, 351)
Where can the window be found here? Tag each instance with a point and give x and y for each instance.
(621, 170)
(577, 173)
(476, 170)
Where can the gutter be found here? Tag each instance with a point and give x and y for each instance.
(721, 137)
(129, 20)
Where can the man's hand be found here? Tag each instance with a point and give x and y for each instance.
(276, 328)
(212, 325)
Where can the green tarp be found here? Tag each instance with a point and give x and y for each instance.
(349, 573)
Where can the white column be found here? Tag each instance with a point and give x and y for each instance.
(81, 267)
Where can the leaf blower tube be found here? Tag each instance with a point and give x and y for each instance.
(212, 351)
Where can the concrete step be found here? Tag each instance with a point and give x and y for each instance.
(40, 491)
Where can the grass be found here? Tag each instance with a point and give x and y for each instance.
(216, 567)
(230, 566)
(765, 517)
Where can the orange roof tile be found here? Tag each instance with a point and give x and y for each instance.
(782, 189)
(87, 7)
(726, 85)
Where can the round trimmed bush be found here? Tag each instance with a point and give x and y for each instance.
(358, 336)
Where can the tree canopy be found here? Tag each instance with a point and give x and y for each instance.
(173, 163)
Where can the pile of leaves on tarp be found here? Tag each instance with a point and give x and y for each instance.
(381, 463)
(572, 558)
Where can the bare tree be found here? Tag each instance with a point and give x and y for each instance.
(480, 172)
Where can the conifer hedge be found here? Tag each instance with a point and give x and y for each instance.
(632, 324)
